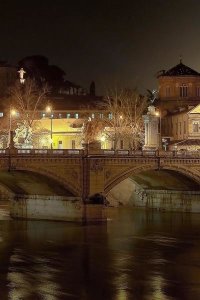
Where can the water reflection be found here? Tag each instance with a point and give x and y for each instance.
(138, 255)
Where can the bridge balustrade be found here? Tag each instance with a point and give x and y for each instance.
(101, 152)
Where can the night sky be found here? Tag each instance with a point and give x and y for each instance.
(121, 43)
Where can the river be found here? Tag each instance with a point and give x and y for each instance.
(136, 255)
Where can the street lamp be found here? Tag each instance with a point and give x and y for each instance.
(12, 113)
(158, 114)
(49, 110)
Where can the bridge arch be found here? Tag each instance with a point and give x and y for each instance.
(52, 175)
(192, 174)
(30, 181)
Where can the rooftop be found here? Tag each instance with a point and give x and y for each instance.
(179, 70)
(74, 102)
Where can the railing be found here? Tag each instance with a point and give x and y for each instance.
(42, 152)
(101, 153)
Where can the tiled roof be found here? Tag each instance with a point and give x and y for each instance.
(180, 70)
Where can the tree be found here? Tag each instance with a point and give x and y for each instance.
(122, 110)
(125, 108)
(26, 99)
(92, 130)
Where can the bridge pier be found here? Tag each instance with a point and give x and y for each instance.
(55, 208)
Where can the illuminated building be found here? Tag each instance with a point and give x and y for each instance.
(179, 105)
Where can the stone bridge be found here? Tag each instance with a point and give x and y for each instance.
(84, 174)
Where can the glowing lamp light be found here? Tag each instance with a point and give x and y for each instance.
(13, 112)
(121, 117)
(157, 113)
(102, 138)
(48, 109)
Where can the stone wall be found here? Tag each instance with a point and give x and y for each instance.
(55, 208)
(183, 201)
(129, 193)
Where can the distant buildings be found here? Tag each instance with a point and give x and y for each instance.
(179, 105)
(70, 105)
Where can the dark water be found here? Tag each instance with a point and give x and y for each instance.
(137, 255)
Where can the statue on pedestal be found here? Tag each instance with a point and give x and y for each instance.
(23, 136)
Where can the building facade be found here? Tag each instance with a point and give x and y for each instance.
(179, 106)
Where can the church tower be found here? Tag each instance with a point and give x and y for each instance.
(178, 87)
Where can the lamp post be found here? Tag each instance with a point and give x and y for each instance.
(12, 112)
(158, 114)
(49, 110)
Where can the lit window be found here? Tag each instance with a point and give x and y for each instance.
(60, 116)
(101, 116)
(195, 126)
(76, 116)
(43, 115)
(92, 116)
(68, 116)
(1, 114)
(183, 90)
(110, 116)
(73, 144)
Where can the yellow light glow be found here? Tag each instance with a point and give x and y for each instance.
(121, 117)
(157, 113)
(13, 112)
(48, 109)
(103, 138)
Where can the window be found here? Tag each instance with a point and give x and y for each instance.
(183, 90)
(167, 91)
(60, 116)
(110, 116)
(195, 126)
(198, 91)
(60, 145)
(121, 144)
(101, 116)
(92, 116)
(76, 116)
(68, 116)
(43, 115)
(1, 114)
(73, 144)
(184, 127)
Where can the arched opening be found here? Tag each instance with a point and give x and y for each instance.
(161, 189)
(26, 184)
(31, 183)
